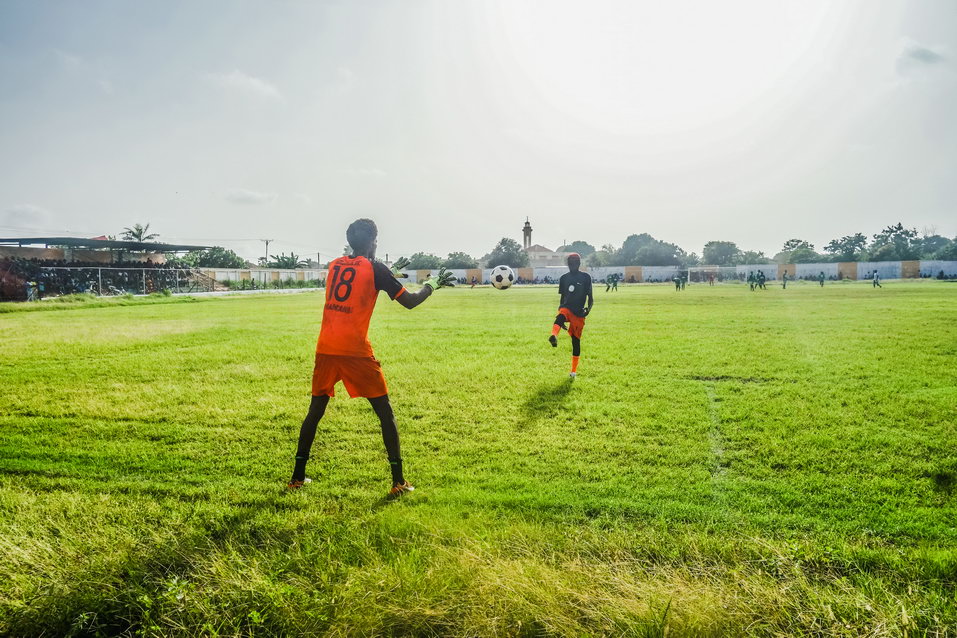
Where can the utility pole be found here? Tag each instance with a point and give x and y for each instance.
(267, 247)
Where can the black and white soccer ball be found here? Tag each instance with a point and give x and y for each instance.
(502, 277)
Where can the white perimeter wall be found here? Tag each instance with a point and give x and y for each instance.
(600, 272)
(770, 270)
(551, 271)
(802, 271)
(886, 269)
(261, 276)
(659, 273)
(931, 268)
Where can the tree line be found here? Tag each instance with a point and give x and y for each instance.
(893, 243)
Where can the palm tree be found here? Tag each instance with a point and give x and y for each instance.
(138, 233)
(291, 262)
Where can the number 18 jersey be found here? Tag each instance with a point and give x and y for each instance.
(352, 285)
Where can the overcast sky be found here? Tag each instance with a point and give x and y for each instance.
(449, 122)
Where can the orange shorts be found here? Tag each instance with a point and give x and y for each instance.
(362, 376)
(575, 323)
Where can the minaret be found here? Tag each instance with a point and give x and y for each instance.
(527, 233)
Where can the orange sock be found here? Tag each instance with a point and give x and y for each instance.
(575, 364)
(556, 329)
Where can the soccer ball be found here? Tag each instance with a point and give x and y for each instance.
(502, 277)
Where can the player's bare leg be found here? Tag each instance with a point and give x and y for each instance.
(307, 433)
(390, 437)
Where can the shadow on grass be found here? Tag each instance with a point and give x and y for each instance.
(385, 501)
(545, 402)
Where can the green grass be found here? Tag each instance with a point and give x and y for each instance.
(727, 463)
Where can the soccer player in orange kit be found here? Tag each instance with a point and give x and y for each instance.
(344, 352)
(575, 288)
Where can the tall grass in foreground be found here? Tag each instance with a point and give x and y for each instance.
(776, 463)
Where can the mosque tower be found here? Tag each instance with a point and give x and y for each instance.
(527, 234)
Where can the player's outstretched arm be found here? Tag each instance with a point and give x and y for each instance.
(591, 300)
(442, 280)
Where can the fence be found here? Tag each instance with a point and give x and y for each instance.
(64, 280)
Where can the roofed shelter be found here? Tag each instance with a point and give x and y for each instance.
(104, 251)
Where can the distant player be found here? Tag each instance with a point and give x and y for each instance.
(611, 282)
(677, 281)
(876, 280)
(820, 279)
(343, 352)
(575, 290)
(784, 280)
(710, 278)
(752, 280)
(761, 280)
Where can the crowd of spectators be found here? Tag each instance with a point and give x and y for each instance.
(38, 278)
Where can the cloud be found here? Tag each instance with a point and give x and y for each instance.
(915, 58)
(25, 216)
(241, 82)
(345, 80)
(89, 71)
(245, 197)
(68, 60)
(365, 172)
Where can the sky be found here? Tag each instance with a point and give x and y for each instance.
(448, 123)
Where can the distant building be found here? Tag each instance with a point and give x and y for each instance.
(539, 256)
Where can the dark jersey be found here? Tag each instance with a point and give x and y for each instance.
(575, 288)
(352, 285)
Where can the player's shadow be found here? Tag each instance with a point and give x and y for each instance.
(545, 402)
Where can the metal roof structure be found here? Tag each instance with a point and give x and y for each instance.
(76, 242)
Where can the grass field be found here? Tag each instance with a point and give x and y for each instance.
(727, 463)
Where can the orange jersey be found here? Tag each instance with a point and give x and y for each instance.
(352, 285)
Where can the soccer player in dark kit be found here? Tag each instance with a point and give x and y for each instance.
(344, 352)
(575, 289)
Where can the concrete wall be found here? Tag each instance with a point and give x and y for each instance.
(599, 273)
(813, 270)
(553, 272)
(931, 268)
(862, 270)
(910, 269)
(634, 274)
(658, 273)
(886, 269)
(847, 270)
(262, 275)
(770, 270)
